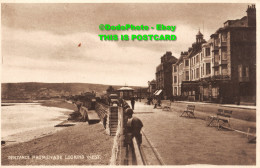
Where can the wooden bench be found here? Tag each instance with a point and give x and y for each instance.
(189, 111)
(167, 107)
(159, 106)
(221, 118)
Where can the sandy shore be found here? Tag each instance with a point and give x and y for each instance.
(82, 144)
(29, 132)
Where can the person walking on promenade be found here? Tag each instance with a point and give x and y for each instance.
(159, 101)
(105, 121)
(155, 102)
(152, 101)
(134, 126)
(133, 102)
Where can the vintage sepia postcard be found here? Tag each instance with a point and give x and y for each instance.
(129, 83)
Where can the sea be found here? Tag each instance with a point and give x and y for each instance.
(18, 118)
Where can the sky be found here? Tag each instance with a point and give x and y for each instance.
(40, 41)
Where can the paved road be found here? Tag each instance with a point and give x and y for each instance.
(184, 141)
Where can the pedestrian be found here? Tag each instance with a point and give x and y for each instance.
(105, 121)
(159, 101)
(78, 104)
(133, 127)
(148, 101)
(155, 103)
(133, 103)
(121, 102)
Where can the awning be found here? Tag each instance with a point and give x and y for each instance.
(190, 86)
(125, 88)
(158, 92)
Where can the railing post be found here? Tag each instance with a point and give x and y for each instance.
(138, 155)
(113, 119)
(122, 138)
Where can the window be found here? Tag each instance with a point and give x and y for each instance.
(186, 62)
(175, 68)
(201, 70)
(207, 52)
(217, 58)
(224, 37)
(224, 70)
(215, 92)
(240, 71)
(245, 71)
(191, 74)
(197, 58)
(175, 91)
(187, 75)
(175, 79)
(216, 71)
(216, 41)
(208, 69)
(180, 67)
(197, 73)
(201, 56)
(224, 56)
(206, 92)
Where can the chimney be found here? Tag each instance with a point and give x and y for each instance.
(251, 16)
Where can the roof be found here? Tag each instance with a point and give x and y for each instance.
(153, 81)
(207, 43)
(179, 60)
(238, 23)
(232, 22)
(195, 50)
(125, 88)
(173, 60)
(199, 33)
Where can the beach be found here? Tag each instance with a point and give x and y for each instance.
(21, 122)
(81, 144)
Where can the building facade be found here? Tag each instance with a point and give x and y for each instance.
(164, 75)
(188, 69)
(151, 87)
(223, 69)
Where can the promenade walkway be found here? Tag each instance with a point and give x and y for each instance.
(184, 141)
(222, 105)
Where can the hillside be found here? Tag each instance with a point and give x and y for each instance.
(33, 90)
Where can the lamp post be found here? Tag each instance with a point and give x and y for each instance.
(140, 95)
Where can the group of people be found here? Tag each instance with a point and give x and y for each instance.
(133, 125)
(154, 101)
